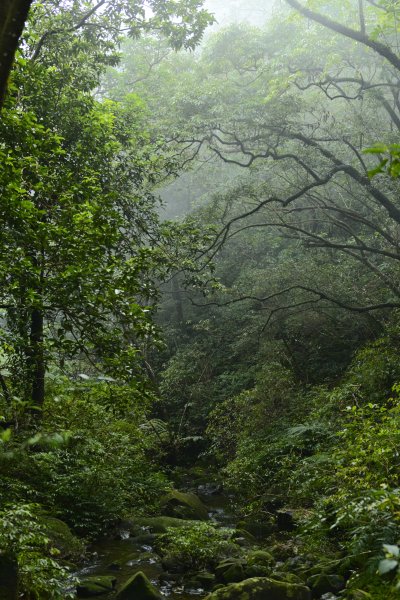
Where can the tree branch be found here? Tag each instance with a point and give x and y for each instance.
(358, 36)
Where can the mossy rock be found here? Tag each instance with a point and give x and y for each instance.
(288, 577)
(95, 586)
(259, 530)
(138, 587)
(184, 505)
(205, 579)
(218, 586)
(325, 583)
(234, 574)
(282, 550)
(241, 534)
(173, 563)
(257, 571)
(61, 537)
(161, 524)
(260, 557)
(261, 588)
(235, 567)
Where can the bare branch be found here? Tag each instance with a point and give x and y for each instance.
(321, 295)
(358, 36)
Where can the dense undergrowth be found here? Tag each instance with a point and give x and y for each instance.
(331, 450)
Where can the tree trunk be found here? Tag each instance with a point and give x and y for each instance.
(8, 578)
(37, 365)
(13, 14)
(177, 296)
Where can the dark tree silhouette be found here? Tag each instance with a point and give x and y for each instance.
(13, 14)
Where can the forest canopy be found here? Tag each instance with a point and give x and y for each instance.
(199, 299)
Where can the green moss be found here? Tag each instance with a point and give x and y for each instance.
(260, 557)
(95, 586)
(138, 587)
(61, 537)
(185, 505)
(260, 588)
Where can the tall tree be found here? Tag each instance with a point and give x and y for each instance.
(13, 15)
(81, 242)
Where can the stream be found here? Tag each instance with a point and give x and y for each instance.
(124, 555)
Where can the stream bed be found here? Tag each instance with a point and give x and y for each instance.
(124, 555)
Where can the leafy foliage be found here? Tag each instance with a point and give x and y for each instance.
(24, 538)
(199, 546)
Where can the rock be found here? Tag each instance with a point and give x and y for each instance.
(298, 563)
(210, 489)
(205, 579)
(257, 571)
(230, 570)
(260, 557)
(259, 563)
(161, 524)
(243, 537)
(146, 539)
(173, 563)
(325, 583)
(288, 577)
(257, 529)
(95, 586)
(261, 588)
(184, 505)
(285, 520)
(61, 537)
(138, 587)
(282, 550)
(234, 573)
(8, 578)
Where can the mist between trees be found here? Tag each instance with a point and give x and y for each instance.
(199, 266)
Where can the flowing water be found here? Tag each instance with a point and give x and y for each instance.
(125, 556)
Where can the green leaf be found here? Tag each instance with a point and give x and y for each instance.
(391, 549)
(5, 435)
(377, 149)
(387, 565)
(378, 169)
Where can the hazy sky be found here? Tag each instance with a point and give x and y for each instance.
(227, 11)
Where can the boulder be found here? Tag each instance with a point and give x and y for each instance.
(95, 586)
(230, 570)
(61, 537)
(234, 573)
(8, 578)
(325, 583)
(173, 563)
(243, 538)
(260, 557)
(184, 505)
(288, 577)
(257, 571)
(205, 579)
(285, 520)
(259, 530)
(138, 587)
(261, 588)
